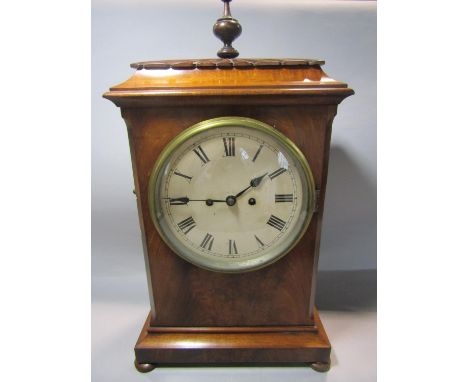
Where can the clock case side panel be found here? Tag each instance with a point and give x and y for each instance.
(140, 214)
(183, 295)
(320, 206)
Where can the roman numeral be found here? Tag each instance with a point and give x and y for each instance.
(258, 152)
(201, 154)
(187, 224)
(276, 222)
(232, 247)
(189, 178)
(259, 241)
(282, 198)
(229, 147)
(276, 173)
(207, 241)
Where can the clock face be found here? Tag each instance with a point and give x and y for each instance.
(231, 194)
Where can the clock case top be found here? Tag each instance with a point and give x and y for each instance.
(175, 81)
(163, 98)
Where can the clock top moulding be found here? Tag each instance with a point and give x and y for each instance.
(270, 317)
(217, 81)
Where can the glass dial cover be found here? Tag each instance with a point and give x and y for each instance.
(231, 194)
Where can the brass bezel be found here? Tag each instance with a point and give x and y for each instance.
(222, 122)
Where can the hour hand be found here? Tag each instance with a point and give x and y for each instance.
(256, 181)
(178, 201)
(253, 183)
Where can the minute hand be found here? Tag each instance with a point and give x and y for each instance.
(253, 183)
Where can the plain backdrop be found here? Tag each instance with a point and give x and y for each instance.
(341, 33)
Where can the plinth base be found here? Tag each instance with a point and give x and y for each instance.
(269, 346)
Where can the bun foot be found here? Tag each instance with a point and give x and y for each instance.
(321, 367)
(144, 367)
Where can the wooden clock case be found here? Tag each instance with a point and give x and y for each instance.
(197, 316)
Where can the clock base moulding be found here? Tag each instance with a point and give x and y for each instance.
(274, 345)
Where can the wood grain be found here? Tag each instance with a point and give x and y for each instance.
(304, 84)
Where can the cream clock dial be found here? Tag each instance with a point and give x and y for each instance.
(231, 194)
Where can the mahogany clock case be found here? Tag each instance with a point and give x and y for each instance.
(256, 311)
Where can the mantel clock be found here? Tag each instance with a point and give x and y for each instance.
(230, 161)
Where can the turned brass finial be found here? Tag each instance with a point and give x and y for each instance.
(227, 29)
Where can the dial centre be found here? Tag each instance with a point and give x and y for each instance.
(231, 200)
